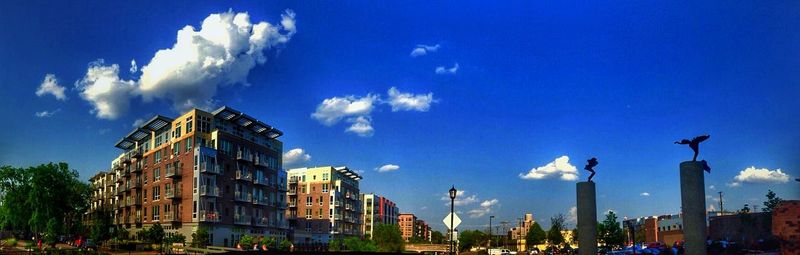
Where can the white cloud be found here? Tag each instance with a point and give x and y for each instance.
(645, 194)
(362, 126)
(711, 208)
(333, 110)
(572, 216)
(733, 184)
(295, 156)
(461, 198)
(559, 167)
(357, 110)
(712, 187)
(485, 207)
(422, 50)
(105, 91)
(222, 52)
(445, 70)
(407, 101)
(50, 86)
(761, 175)
(387, 168)
(134, 67)
(46, 114)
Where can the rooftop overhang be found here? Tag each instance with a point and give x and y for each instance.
(348, 173)
(140, 133)
(246, 121)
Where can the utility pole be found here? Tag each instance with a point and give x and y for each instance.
(505, 233)
(722, 210)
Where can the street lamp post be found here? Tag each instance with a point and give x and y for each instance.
(453, 192)
(490, 232)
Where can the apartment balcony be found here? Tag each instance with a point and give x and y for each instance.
(260, 201)
(136, 202)
(243, 175)
(293, 180)
(241, 155)
(241, 219)
(172, 194)
(260, 181)
(137, 153)
(116, 166)
(292, 204)
(136, 185)
(243, 197)
(126, 158)
(208, 216)
(171, 217)
(209, 191)
(291, 192)
(259, 162)
(172, 172)
(261, 222)
(213, 169)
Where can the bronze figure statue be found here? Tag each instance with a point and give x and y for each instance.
(694, 144)
(591, 163)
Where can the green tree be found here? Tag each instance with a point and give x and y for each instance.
(388, 238)
(53, 230)
(101, 226)
(246, 241)
(437, 237)
(200, 238)
(285, 245)
(535, 235)
(554, 236)
(470, 238)
(359, 245)
(33, 196)
(746, 209)
(335, 245)
(772, 201)
(574, 236)
(610, 232)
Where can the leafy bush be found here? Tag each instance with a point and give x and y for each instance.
(285, 245)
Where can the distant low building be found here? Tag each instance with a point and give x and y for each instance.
(377, 210)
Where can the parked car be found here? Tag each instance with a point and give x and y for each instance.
(499, 252)
(89, 244)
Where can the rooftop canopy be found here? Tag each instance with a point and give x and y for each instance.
(142, 132)
(244, 120)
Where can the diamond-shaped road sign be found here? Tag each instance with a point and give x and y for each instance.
(456, 220)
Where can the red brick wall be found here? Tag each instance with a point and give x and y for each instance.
(786, 226)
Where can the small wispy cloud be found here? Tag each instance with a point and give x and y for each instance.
(387, 168)
(645, 194)
(422, 50)
(50, 87)
(46, 114)
(446, 70)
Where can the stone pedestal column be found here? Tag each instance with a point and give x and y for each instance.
(587, 218)
(693, 204)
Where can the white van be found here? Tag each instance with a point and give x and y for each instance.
(499, 252)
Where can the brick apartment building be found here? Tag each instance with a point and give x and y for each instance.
(220, 170)
(423, 230)
(518, 233)
(324, 204)
(408, 227)
(377, 210)
(103, 196)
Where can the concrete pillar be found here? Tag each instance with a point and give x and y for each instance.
(587, 218)
(693, 204)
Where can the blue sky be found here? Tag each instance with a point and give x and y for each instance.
(534, 82)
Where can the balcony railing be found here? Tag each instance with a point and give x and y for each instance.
(212, 169)
(172, 172)
(241, 219)
(261, 201)
(291, 192)
(241, 155)
(210, 191)
(293, 180)
(170, 217)
(243, 175)
(260, 180)
(116, 165)
(261, 222)
(209, 216)
(172, 193)
(137, 152)
(292, 204)
(259, 162)
(243, 197)
(127, 157)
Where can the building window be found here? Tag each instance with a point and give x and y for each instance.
(320, 213)
(156, 174)
(156, 212)
(308, 213)
(309, 201)
(189, 124)
(188, 144)
(156, 193)
(324, 188)
(324, 177)
(157, 157)
(320, 200)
